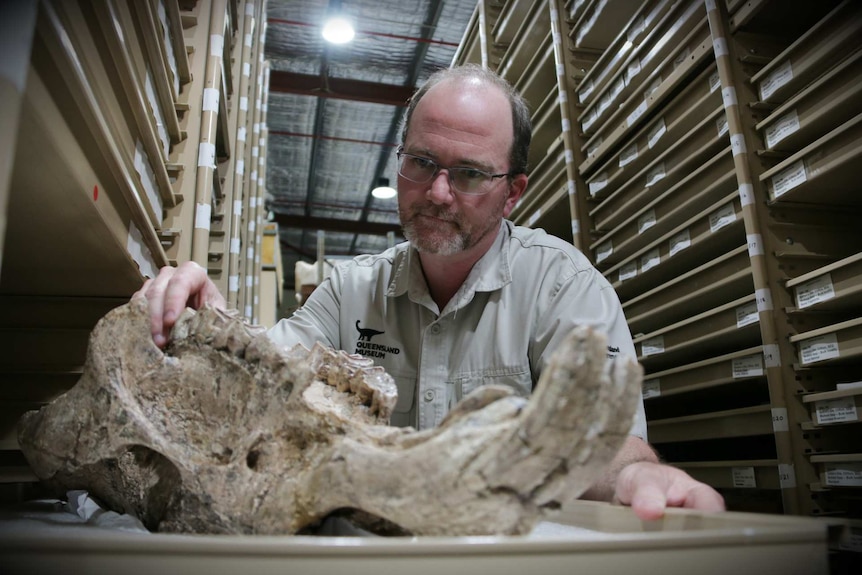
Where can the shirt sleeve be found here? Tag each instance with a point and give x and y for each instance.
(317, 320)
(586, 298)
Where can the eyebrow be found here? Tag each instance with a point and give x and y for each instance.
(462, 163)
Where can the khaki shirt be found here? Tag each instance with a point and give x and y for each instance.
(518, 302)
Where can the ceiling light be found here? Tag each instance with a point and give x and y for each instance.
(382, 191)
(338, 30)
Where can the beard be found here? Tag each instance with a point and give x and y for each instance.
(440, 230)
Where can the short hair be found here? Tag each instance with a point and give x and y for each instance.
(521, 123)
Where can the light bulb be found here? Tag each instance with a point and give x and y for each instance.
(338, 30)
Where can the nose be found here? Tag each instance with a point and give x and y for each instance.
(440, 189)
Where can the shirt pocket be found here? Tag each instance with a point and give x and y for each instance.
(403, 414)
(516, 377)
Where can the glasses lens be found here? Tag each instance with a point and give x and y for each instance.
(468, 180)
(416, 169)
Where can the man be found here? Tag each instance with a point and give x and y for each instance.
(471, 299)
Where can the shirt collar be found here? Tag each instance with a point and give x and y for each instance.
(490, 273)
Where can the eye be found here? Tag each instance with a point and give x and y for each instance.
(471, 174)
(422, 163)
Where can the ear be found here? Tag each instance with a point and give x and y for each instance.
(516, 190)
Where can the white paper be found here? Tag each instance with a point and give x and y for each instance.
(819, 348)
(651, 388)
(650, 260)
(723, 216)
(746, 315)
(646, 221)
(655, 175)
(203, 214)
(652, 346)
(679, 242)
(786, 475)
(748, 366)
(598, 184)
(775, 80)
(781, 128)
(779, 419)
(845, 474)
(838, 410)
(743, 477)
(629, 155)
(636, 114)
(628, 271)
(814, 291)
(604, 251)
(656, 132)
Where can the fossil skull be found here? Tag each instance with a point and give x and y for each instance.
(225, 432)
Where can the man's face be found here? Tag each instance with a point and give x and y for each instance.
(466, 126)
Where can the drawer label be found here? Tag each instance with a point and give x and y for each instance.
(604, 251)
(652, 346)
(629, 155)
(746, 315)
(848, 474)
(723, 216)
(819, 348)
(651, 388)
(789, 178)
(779, 419)
(650, 260)
(655, 175)
(646, 221)
(679, 242)
(783, 127)
(748, 366)
(743, 477)
(838, 410)
(628, 271)
(814, 291)
(656, 132)
(775, 80)
(598, 184)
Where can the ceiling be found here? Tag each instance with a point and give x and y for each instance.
(334, 114)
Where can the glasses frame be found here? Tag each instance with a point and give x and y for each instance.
(437, 167)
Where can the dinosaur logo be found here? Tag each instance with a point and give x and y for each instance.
(365, 334)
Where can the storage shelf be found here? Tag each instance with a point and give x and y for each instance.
(837, 407)
(721, 279)
(823, 172)
(837, 286)
(832, 344)
(831, 100)
(743, 422)
(740, 474)
(836, 35)
(741, 365)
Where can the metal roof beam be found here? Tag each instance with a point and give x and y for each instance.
(332, 225)
(329, 87)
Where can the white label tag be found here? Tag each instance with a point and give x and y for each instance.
(748, 366)
(651, 388)
(851, 540)
(679, 242)
(637, 113)
(846, 474)
(233, 284)
(771, 355)
(243, 103)
(249, 281)
(566, 125)
(650, 260)
(206, 155)
(203, 214)
(234, 245)
(636, 28)
(786, 475)
(755, 245)
(788, 178)
(721, 125)
(598, 184)
(781, 128)
(646, 221)
(576, 228)
(655, 175)
(604, 251)
(249, 8)
(240, 134)
(743, 477)
(723, 216)
(779, 419)
(838, 410)
(237, 207)
(763, 299)
(746, 194)
(211, 98)
(652, 346)
(714, 82)
(240, 167)
(746, 315)
(814, 291)
(778, 78)
(216, 45)
(628, 271)
(719, 46)
(737, 144)
(629, 155)
(656, 132)
(819, 348)
(570, 156)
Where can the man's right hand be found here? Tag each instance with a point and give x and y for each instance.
(174, 289)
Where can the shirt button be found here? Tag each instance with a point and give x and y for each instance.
(429, 395)
(435, 329)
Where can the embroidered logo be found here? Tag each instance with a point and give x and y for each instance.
(364, 345)
(365, 334)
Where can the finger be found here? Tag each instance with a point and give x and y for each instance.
(190, 279)
(704, 498)
(643, 486)
(154, 291)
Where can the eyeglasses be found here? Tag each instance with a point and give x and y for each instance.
(469, 181)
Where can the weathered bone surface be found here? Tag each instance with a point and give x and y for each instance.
(224, 432)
